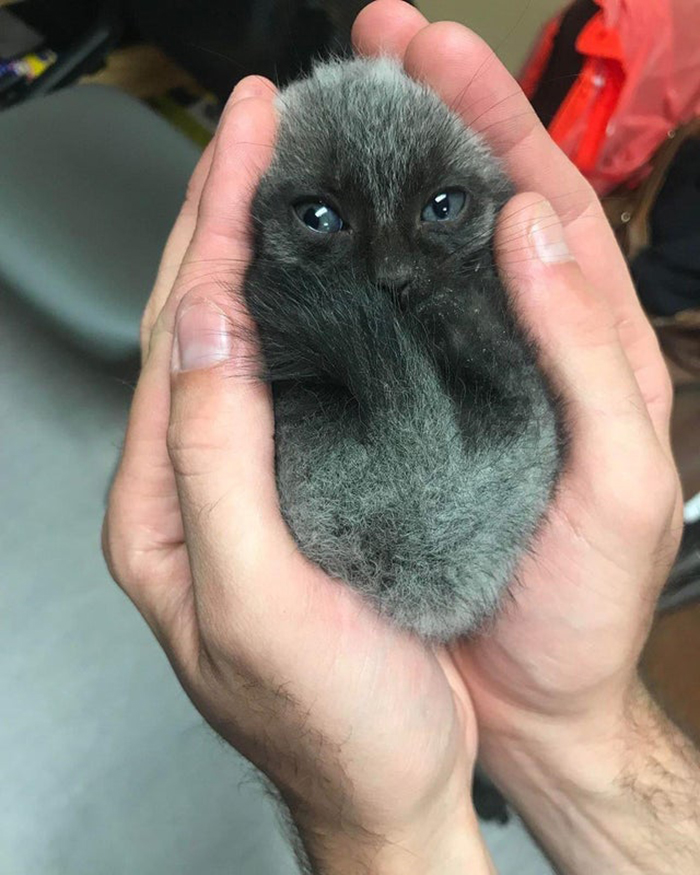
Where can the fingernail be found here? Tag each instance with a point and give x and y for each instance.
(547, 235)
(202, 337)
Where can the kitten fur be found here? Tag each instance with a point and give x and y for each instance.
(417, 443)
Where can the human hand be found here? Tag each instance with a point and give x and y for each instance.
(368, 734)
(581, 610)
(554, 682)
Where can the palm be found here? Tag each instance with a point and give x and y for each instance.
(407, 704)
(369, 686)
(577, 620)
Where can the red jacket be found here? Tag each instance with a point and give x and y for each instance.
(640, 79)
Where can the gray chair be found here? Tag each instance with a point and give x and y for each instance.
(90, 182)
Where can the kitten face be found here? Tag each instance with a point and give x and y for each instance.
(376, 149)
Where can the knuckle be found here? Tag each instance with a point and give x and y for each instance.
(192, 448)
(117, 554)
(146, 327)
(647, 500)
(666, 389)
(192, 194)
(590, 316)
(123, 558)
(201, 275)
(107, 547)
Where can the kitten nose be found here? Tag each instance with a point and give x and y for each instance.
(394, 283)
(396, 287)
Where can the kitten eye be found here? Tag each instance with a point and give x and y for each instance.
(319, 217)
(446, 205)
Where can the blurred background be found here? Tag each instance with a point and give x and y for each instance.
(105, 767)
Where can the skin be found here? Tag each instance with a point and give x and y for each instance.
(370, 736)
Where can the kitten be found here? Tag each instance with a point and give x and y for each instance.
(417, 442)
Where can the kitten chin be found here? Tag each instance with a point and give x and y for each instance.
(417, 442)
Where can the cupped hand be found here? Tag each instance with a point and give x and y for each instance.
(559, 664)
(368, 734)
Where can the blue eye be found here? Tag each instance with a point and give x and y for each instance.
(319, 217)
(446, 205)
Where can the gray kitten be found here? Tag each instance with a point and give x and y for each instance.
(417, 442)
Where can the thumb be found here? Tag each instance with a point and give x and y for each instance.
(574, 329)
(221, 444)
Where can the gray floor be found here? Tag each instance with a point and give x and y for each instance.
(105, 767)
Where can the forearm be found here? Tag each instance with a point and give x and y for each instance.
(625, 802)
(447, 845)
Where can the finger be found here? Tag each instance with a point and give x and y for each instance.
(575, 332)
(144, 489)
(175, 248)
(471, 79)
(220, 248)
(241, 151)
(211, 312)
(143, 524)
(386, 27)
(181, 234)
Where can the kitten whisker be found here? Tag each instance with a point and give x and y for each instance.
(473, 122)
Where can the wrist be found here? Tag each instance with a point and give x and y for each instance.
(446, 841)
(617, 792)
(590, 753)
(579, 752)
